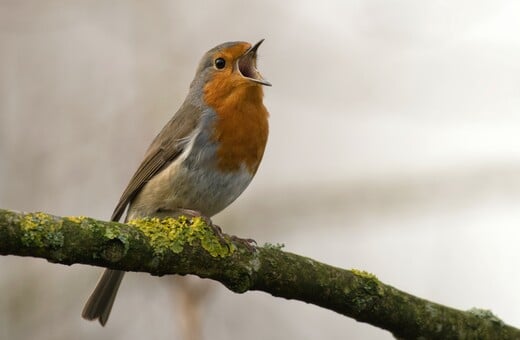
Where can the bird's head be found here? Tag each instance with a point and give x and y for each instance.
(229, 69)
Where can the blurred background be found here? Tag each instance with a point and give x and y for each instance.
(394, 148)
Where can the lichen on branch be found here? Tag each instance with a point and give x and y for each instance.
(189, 246)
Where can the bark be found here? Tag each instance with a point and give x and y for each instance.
(189, 246)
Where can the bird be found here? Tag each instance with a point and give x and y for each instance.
(203, 158)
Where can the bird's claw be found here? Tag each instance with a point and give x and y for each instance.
(249, 243)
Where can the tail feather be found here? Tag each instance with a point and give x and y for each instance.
(100, 302)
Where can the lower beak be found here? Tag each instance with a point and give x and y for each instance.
(246, 65)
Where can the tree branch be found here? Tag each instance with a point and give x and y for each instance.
(189, 246)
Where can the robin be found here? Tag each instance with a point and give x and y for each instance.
(204, 157)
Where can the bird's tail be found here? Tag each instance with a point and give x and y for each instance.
(100, 302)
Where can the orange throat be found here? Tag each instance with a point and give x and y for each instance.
(241, 126)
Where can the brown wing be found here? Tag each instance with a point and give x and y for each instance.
(165, 148)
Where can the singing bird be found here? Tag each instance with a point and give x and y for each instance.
(204, 157)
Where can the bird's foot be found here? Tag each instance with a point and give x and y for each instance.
(194, 213)
(249, 243)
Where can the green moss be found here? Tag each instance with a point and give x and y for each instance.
(485, 314)
(41, 230)
(277, 246)
(172, 234)
(115, 232)
(368, 291)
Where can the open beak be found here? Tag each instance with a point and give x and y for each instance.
(246, 65)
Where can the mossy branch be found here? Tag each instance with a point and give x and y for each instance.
(189, 246)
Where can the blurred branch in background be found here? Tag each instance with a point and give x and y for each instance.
(185, 246)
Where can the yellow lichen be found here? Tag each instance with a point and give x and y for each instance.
(363, 274)
(172, 234)
(76, 219)
(41, 230)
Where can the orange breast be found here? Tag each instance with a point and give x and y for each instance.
(241, 127)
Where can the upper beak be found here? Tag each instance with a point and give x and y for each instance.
(246, 65)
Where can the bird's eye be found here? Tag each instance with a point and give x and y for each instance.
(220, 63)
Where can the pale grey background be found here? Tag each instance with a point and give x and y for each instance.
(394, 148)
